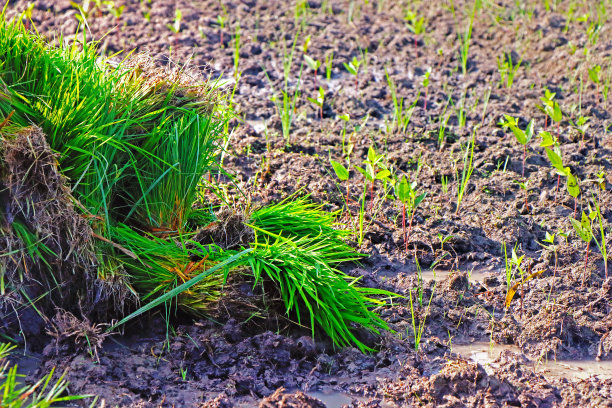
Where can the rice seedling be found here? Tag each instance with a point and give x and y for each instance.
(468, 169)
(584, 230)
(401, 114)
(465, 40)
(237, 52)
(418, 330)
(42, 394)
(425, 84)
(319, 101)
(314, 65)
(135, 151)
(353, 68)
(522, 136)
(405, 191)
(601, 244)
(374, 170)
(507, 69)
(329, 62)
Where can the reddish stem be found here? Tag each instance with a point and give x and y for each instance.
(546, 122)
(404, 226)
(410, 226)
(557, 190)
(586, 259)
(575, 205)
(524, 158)
(426, 92)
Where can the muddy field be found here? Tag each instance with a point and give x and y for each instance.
(474, 351)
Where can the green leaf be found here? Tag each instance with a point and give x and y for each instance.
(583, 228)
(594, 73)
(372, 155)
(519, 134)
(557, 115)
(556, 161)
(402, 190)
(572, 185)
(312, 63)
(341, 171)
(383, 174)
(529, 130)
(370, 173)
(547, 139)
(419, 199)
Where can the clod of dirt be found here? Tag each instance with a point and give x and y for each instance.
(51, 243)
(228, 231)
(68, 331)
(282, 399)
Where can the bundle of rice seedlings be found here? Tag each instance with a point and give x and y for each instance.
(159, 265)
(179, 153)
(298, 248)
(134, 147)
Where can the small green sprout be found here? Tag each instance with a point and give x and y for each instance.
(343, 174)
(425, 84)
(526, 187)
(594, 77)
(314, 65)
(221, 22)
(113, 9)
(374, 170)
(406, 193)
(507, 70)
(573, 188)
(329, 61)
(522, 136)
(415, 24)
(175, 27)
(319, 101)
(584, 230)
(353, 68)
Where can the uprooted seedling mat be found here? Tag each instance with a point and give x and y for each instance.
(107, 176)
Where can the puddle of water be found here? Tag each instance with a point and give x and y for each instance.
(332, 399)
(428, 275)
(474, 276)
(484, 354)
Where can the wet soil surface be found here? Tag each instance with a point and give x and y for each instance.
(563, 313)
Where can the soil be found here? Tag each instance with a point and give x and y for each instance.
(562, 313)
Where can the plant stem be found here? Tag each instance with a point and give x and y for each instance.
(586, 259)
(557, 190)
(371, 195)
(347, 198)
(524, 158)
(410, 228)
(404, 225)
(426, 92)
(575, 204)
